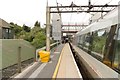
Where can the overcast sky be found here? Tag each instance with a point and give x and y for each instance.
(29, 11)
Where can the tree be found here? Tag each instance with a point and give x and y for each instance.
(26, 28)
(36, 36)
(37, 24)
(39, 40)
(17, 29)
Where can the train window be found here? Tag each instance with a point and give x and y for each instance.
(99, 39)
(87, 40)
(116, 63)
(82, 38)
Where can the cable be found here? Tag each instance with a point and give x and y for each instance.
(74, 1)
(109, 1)
(70, 21)
(103, 7)
(95, 2)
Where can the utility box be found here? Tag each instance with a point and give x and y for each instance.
(44, 56)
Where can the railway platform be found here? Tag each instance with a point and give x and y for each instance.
(61, 65)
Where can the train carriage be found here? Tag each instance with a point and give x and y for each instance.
(101, 39)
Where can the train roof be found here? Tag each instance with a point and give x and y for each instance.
(109, 19)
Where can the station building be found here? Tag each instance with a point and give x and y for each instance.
(5, 31)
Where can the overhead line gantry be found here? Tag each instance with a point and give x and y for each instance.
(70, 9)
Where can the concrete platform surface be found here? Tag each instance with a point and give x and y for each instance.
(68, 67)
(43, 70)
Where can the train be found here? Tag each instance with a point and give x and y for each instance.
(101, 39)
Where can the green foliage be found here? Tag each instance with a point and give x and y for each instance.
(17, 29)
(36, 36)
(98, 43)
(26, 28)
(37, 40)
(22, 34)
(37, 24)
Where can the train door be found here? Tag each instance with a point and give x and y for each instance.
(116, 62)
(109, 47)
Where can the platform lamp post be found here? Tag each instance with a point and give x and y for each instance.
(47, 27)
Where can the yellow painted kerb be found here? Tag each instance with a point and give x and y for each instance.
(58, 64)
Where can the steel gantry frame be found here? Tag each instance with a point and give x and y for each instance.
(70, 9)
(75, 30)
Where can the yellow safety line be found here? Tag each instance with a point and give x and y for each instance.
(58, 64)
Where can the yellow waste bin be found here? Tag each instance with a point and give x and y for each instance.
(44, 56)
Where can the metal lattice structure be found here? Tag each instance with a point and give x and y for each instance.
(72, 8)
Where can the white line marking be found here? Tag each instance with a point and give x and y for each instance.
(50, 62)
(38, 70)
(26, 70)
(56, 52)
(51, 56)
(80, 76)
